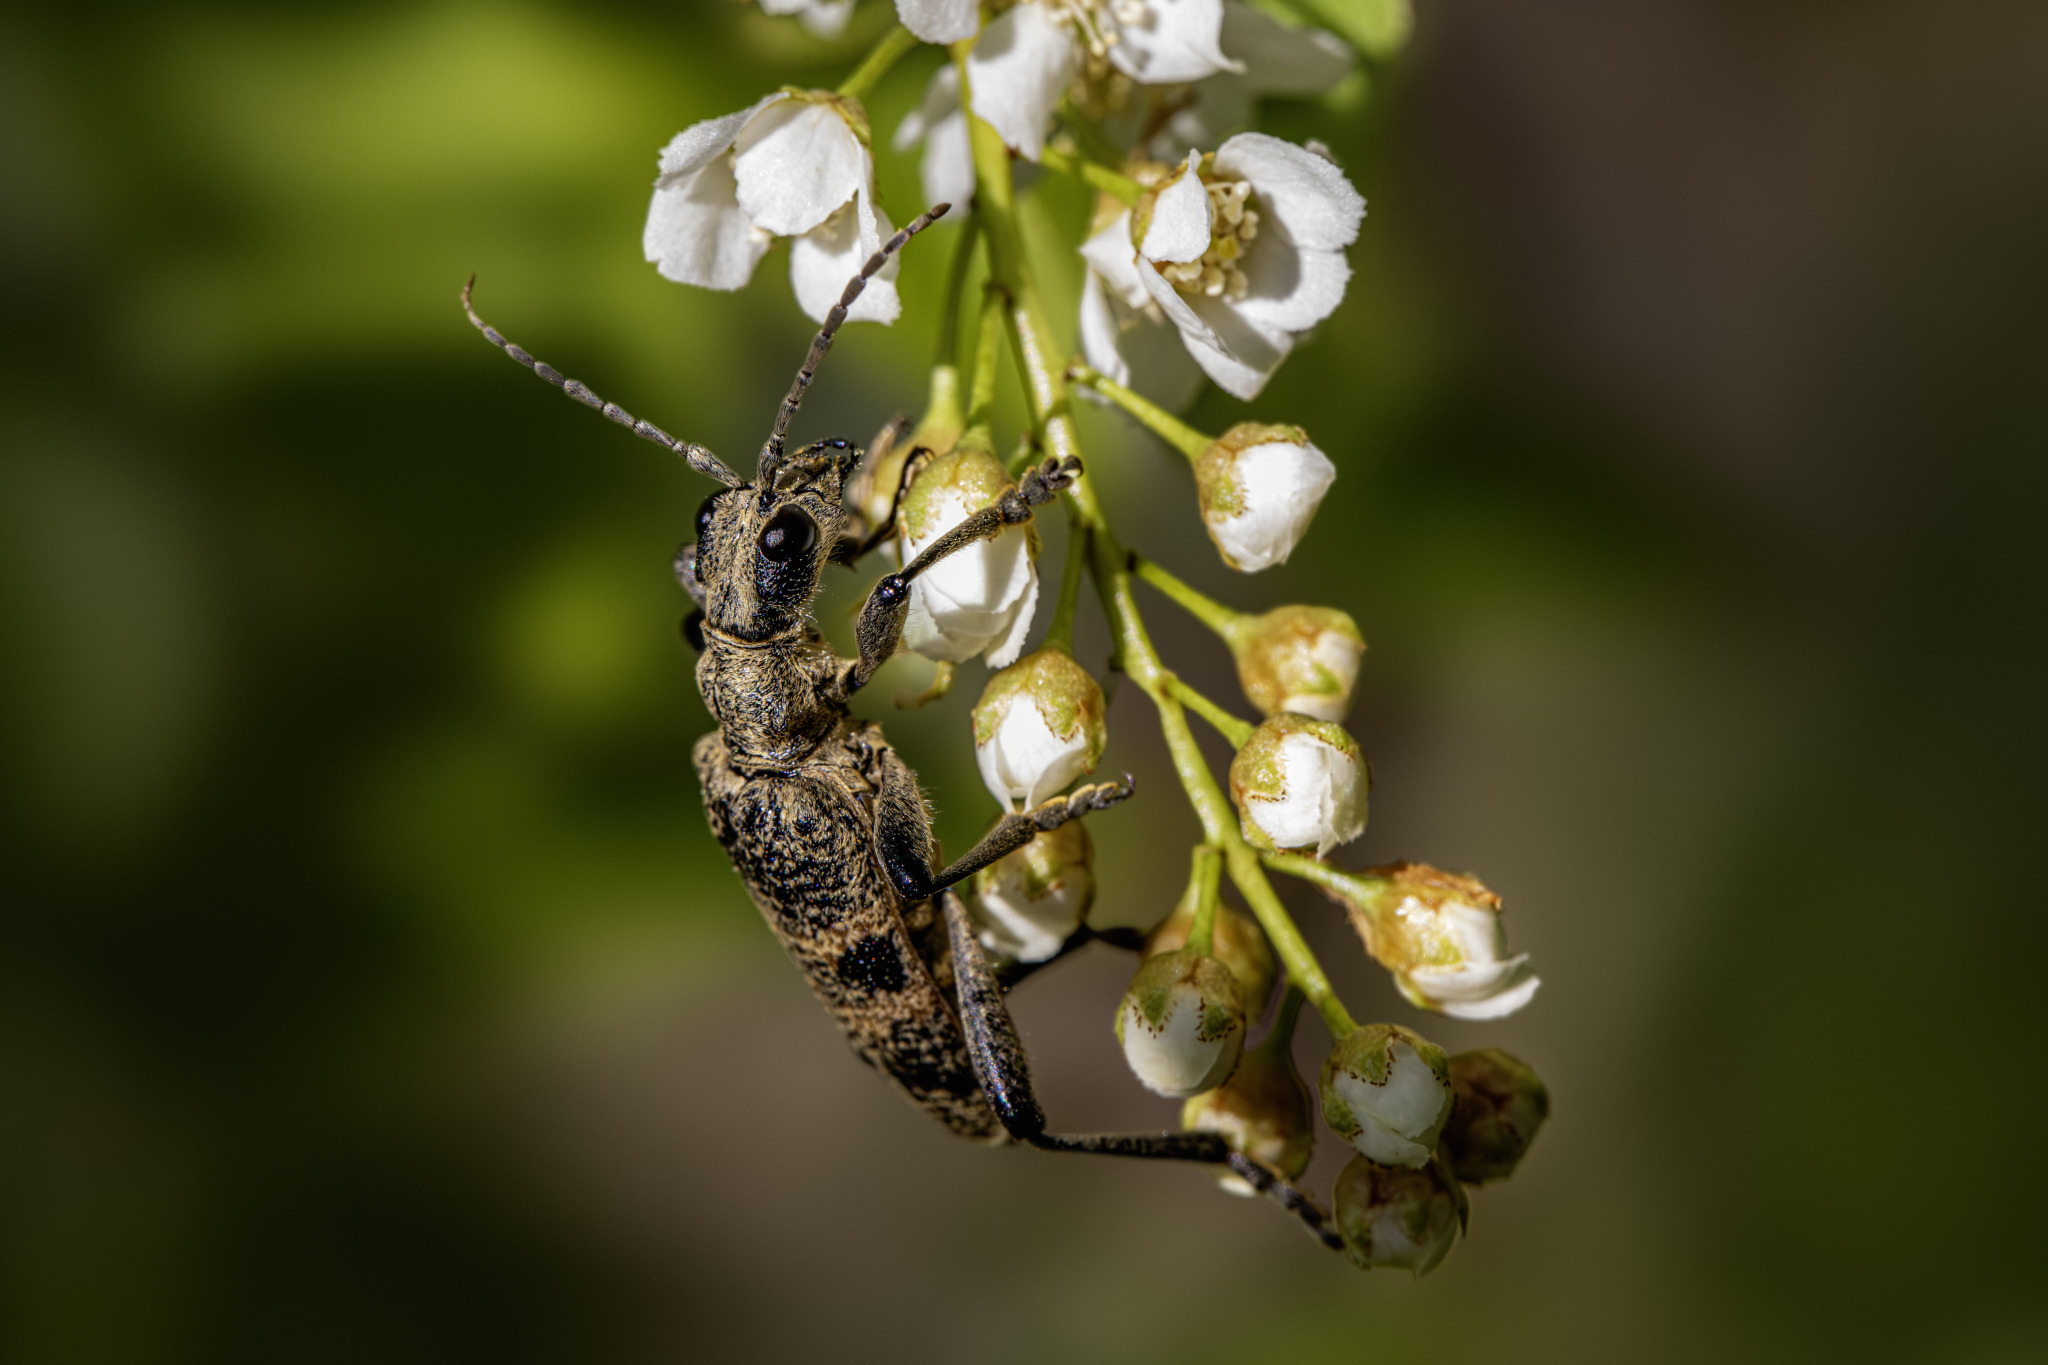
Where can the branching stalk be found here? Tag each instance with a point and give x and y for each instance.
(1158, 420)
(883, 55)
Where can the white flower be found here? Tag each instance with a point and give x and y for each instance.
(1300, 784)
(1259, 486)
(1242, 254)
(1028, 904)
(1038, 726)
(1387, 1091)
(1181, 1024)
(1032, 53)
(1398, 1219)
(1441, 936)
(1299, 659)
(947, 170)
(1276, 61)
(793, 165)
(982, 598)
(824, 18)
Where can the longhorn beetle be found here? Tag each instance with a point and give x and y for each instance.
(822, 820)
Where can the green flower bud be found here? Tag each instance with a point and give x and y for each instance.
(1181, 1024)
(1397, 1217)
(1387, 1091)
(1300, 784)
(1499, 1106)
(1038, 726)
(1262, 1110)
(1027, 904)
(1235, 941)
(1299, 659)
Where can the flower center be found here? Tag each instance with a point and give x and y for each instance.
(1234, 223)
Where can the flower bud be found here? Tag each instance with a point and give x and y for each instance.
(1440, 934)
(1181, 1023)
(1038, 726)
(1300, 784)
(982, 598)
(1299, 659)
(1028, 903)
(1259, 486)
(1262, 1111)
(1234, 939)
(1387, 1091)
(1398, 1218)
(1499, 1106)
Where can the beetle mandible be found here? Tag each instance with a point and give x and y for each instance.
(824, 823)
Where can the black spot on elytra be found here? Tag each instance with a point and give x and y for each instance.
(873, 965)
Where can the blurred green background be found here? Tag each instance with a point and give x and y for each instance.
(371, 990)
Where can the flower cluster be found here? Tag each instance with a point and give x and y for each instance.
(1214, 251)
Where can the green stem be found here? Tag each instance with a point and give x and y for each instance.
(1203, 879)
(1060, 634)
(1113, 183)
(988, 343)
(947, 352)
(1229, 726)
(1162, 423)
(1207, 610)
(876, 64)
(1046, 394)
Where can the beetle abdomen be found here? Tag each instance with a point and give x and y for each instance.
(802, 842)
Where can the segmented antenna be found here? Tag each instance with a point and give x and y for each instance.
(699, 459)
(771, 451)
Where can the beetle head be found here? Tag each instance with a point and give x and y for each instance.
(761, 546)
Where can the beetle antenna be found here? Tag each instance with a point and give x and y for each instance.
(699, 459)
(771, 452)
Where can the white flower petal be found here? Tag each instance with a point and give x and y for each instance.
(1020, 67)
(1181, 219)
(1303, 192)
(1172, 41)
(1006, 648)
(1392, 1115)
(1100, 334)
(1496, 1006)
(975, 600)
(1321, 804)
(696, 145)
(796, 163)
(1176, 308)
(697, 233)
(1290, 290)
(1282, 484)
(1024, 761)
(940, 21)
(825, 258)
(1279, 60)
(1175, 1059)
(1115, 259)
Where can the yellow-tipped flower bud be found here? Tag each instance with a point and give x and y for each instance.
(1027, 904)
(1398, 1218)
(1235, 941)
(1299, 659)
(1440, 934)
(1387, 1091)
(1038, 726)
(1259, 486)
(1263, 1110)
(1300, 784)
(982, 598)
(1499, 1106)
(1181, 1024)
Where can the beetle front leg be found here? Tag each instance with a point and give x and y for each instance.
(1005, 1075)
(879, 631)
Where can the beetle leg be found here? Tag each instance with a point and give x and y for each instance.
(1005, 1075)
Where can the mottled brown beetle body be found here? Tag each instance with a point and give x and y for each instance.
(823, 822)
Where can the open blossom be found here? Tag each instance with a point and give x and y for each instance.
(1038, 726)
(1387, 1091)
(794, 165)
(981, 599)
(1259, 487)
(1027, 904)
(824, 18)
(1241, 252)
(1181, 1024)
(1440, 934)
(1300, 784)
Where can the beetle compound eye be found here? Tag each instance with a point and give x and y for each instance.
(705, 511)
(788, 535)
